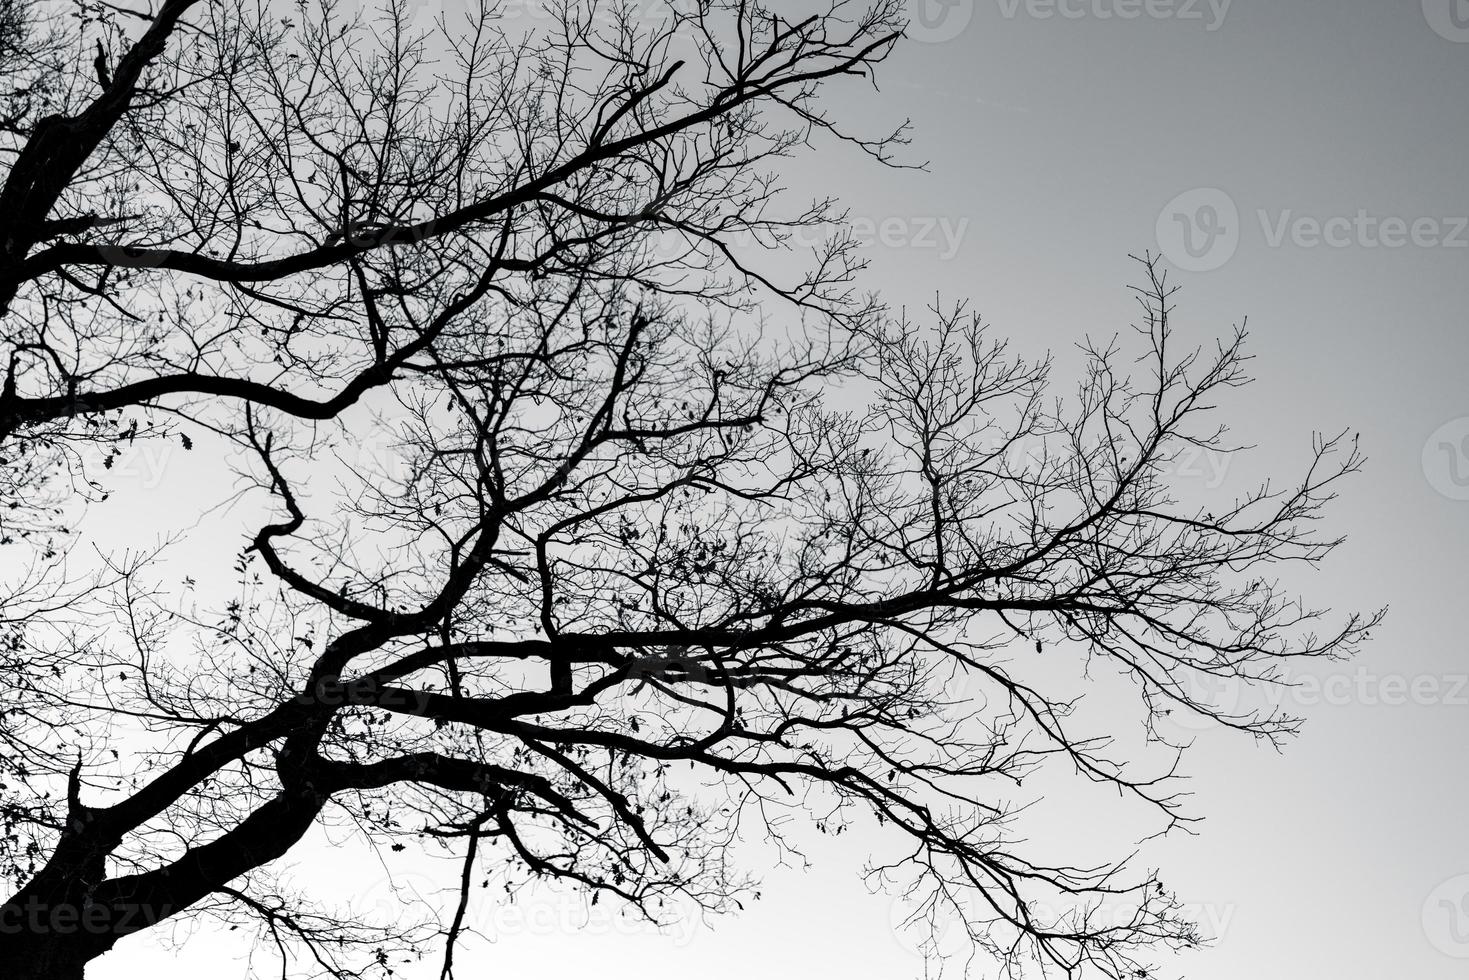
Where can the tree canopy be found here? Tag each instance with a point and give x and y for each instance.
(608, 524)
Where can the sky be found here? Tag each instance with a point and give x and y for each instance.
(1301, 165)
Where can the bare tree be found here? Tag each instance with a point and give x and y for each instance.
(601, 540)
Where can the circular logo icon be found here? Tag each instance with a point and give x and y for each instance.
(1446, 459)
(399, 896)
(938, 21)
(1199, 230)
(668, 248)
(930, 929)
(1448, 18)
(1446, 917)
(1222, 695)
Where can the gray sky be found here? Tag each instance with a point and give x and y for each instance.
(1302, 164)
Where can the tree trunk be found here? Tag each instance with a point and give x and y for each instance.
(51, 928)
(45, 957)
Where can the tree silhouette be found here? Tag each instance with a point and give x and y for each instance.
(604, 529)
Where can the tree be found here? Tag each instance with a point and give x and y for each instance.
(573, 560)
